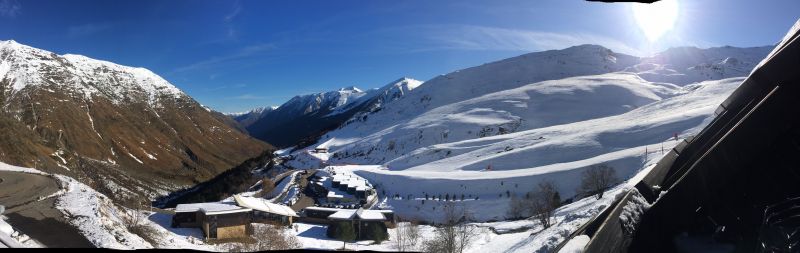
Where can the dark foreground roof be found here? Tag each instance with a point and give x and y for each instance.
(733, 187)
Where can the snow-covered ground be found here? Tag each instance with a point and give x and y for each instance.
(494, 167)
(477, 136)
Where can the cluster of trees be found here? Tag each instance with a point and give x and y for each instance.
(542, 202)
(233, 181)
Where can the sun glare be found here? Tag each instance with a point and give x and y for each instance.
(657, 18)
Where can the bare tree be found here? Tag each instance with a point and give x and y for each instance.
(597, 179)
(544, 201)
(465, 233)
(269, 237)
(406, 236)
(454, 234)
(412, 233)
(399, 239)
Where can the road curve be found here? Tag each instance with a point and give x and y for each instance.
(21, 193)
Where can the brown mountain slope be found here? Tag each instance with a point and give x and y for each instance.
(118, 129)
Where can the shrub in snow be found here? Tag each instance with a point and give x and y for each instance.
(376, 232)
(597, 179)
(454, 235)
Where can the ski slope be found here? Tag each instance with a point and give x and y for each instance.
(492, 167)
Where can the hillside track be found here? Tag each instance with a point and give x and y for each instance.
(27, 209)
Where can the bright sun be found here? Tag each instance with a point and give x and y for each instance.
(657, 18)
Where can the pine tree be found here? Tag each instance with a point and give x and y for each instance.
(344, 232)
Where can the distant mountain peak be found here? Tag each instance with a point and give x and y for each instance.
(351, 88)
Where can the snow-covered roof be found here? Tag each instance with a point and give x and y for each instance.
(211, 208)
(264, 205)
(319, 208)
(344, 214)
(362, 214)
(370, 214)
(354, 182)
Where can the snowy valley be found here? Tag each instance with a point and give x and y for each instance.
(480, 136)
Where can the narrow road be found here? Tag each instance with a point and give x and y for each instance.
(20, 193)
(304, 201)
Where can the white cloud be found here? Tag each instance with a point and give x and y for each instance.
(10, 8)
(241, 54)
(237, 8)
(469, 37)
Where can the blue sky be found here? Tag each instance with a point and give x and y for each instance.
(236, 55)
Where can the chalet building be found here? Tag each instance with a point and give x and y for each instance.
(224, 220)
(319, 215)
(358, 187)
(267, 212)
(323, 214)
(217, 220)
(320, 150)
(362, 221)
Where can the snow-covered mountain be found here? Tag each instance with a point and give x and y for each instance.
(32, 68)
(313, 114)
(502, 127)
(684, 65)
(527, 92)
(120, 128)
(246, 119)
